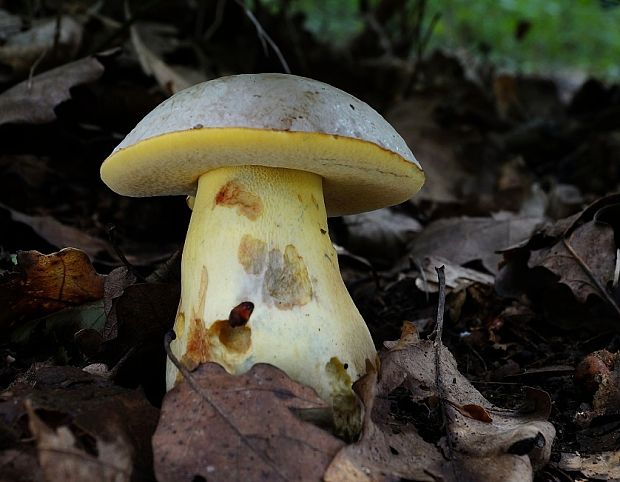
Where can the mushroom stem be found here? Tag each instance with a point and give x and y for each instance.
(261, 283)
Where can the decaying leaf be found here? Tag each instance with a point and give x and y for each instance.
(19, 465)
(446, 174)
(83, 426)
(42, 284)
(59, 234)
(483, 442)
(380, 235)
(114, 287)
(461, 240)
(61, 458)
(53, 39)
(591, 244)
(170, 79)
(252, 435)
(63, 325)
(33, 101)
(457, 277)
(603, 466)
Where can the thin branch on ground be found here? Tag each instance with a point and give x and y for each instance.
(441, 391)
(264, 36)
(117, 250)
(217, 21)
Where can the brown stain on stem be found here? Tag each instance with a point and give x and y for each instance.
(197, 349)
(286, 280)
(232, 195)
(252, 254)
(236, 339)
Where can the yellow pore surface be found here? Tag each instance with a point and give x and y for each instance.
(357, 175)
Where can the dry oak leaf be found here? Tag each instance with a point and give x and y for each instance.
(84, 426)
(61, 458)
(33, 101)
(49, 41)
(599, 466)
(465, 239)
(43, 284)
(80, 427)
(594, 244)
(253, 434)
(501, 445)
(58, 234)
(151, 42)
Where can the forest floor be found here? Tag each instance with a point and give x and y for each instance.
(521, 206)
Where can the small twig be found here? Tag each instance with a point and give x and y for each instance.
(422, 272)
(34, 66)
(117, 250)
(264, 36)
(588, 271)
(423, 43)
(189, 378)
(57, 29)
(384, 40)
(441, 391)
(217, 21)
(441, 304)
(119, 364)
(143, 8)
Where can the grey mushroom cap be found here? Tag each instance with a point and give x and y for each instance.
(276, 120)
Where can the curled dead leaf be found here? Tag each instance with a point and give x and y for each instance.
(49, 41)
(33, 101)
(465, 239)
(61, 458)
(43, 284)
(483, 442)
(80, 427)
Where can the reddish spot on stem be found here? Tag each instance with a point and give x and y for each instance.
(240, 314)
(232, 195)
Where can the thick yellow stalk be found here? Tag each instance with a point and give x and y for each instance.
(258, 238)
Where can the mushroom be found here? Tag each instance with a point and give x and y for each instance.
(268, 157)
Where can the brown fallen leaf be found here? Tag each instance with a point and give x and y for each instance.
(20, 465)
(80, 426)
(59, 234)
(381, 235)
(253, 434)
(493, 444)
(43, 284)
(49, 41)
(465, 239)
(114, 287)
(474, 411)
(33, 101)
(111, 464)
(600, 466)
(457, 277)
(145, 38)
(143, 314)
(446, 174)
(591, 244)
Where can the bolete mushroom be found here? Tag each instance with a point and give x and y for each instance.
(268, 157)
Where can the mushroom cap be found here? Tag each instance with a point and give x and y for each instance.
(273, 120)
